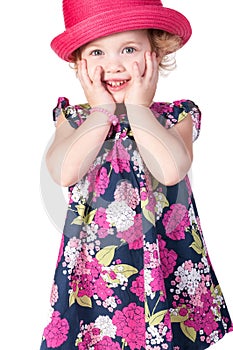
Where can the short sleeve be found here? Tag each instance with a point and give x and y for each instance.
(170, 114)
(75, 115)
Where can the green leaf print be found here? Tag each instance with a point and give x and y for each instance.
(72, 298)
(77, 221)
(179, 318)
(149, 215)
(216, 293)
(162, 199)
(182, 116)
(106, 255)
(123, 269)
(82, 218)
(84, 301)
(90, 216)
(189, 332)
(157, 318)
(197, 244)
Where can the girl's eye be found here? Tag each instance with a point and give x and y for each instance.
(96, 52)
(129, 50)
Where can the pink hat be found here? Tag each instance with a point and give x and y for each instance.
(87, 20)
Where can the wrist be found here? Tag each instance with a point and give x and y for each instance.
(110, 107)
(112, 118)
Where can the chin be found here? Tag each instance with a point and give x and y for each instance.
(119, 98)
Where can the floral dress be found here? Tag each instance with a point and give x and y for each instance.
(133, 271)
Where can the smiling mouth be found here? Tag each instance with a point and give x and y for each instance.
(116, 83)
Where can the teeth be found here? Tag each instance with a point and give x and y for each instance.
(116, 83)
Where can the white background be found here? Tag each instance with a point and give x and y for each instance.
(31, 78)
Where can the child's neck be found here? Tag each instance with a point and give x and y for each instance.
(120, 109)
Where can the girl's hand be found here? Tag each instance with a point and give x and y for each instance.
(95, 91)
(142, 88)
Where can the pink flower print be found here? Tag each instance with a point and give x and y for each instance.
(183, 311)
(188, 186)
(102, 181)
(188, 265)
(176, 221)
(119, 158)
(54, 295)
(56, 331)
(207, 300)
(143, 195)
(103, 232)
(106, 344)
(167, 324)
(91, 177)
(102, 290)
(133, 236)
(60, 250)
(158, 281)
(91, 335)
(210, 325)
(125, 192)
(101, 218)
(200, 319)
(86, 274)
(161, 108)
(130, 324)
(151, 202)
(168, 258)
(178, 103)
(86, 286)
(138, 287)
(70, 200)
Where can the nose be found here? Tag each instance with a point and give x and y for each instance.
(114, 65)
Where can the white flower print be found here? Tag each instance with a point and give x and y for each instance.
(157, 338)
(71, 252)
(104, 323)
(80, 190)
(91, 231)
(120, 215)
(148, 280)
(136, 158)
(192, 215)
(188, 279)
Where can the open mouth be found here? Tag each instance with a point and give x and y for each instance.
(115, 85)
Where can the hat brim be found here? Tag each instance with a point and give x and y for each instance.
(142, 17)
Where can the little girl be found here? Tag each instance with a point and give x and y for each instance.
(133, 271)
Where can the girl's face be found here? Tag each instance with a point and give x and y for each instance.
(116, 54)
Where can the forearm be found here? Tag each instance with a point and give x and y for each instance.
(163, 150)
(74, 150)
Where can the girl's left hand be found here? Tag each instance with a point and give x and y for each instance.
(142, 89)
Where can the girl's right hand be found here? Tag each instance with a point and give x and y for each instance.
(95, 91)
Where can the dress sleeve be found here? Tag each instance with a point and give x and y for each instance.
(75, 115)
(170, 114)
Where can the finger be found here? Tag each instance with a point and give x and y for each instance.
(151, 68)
(136, 73)
(83, 73)
(155, 61)
(97, 76)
